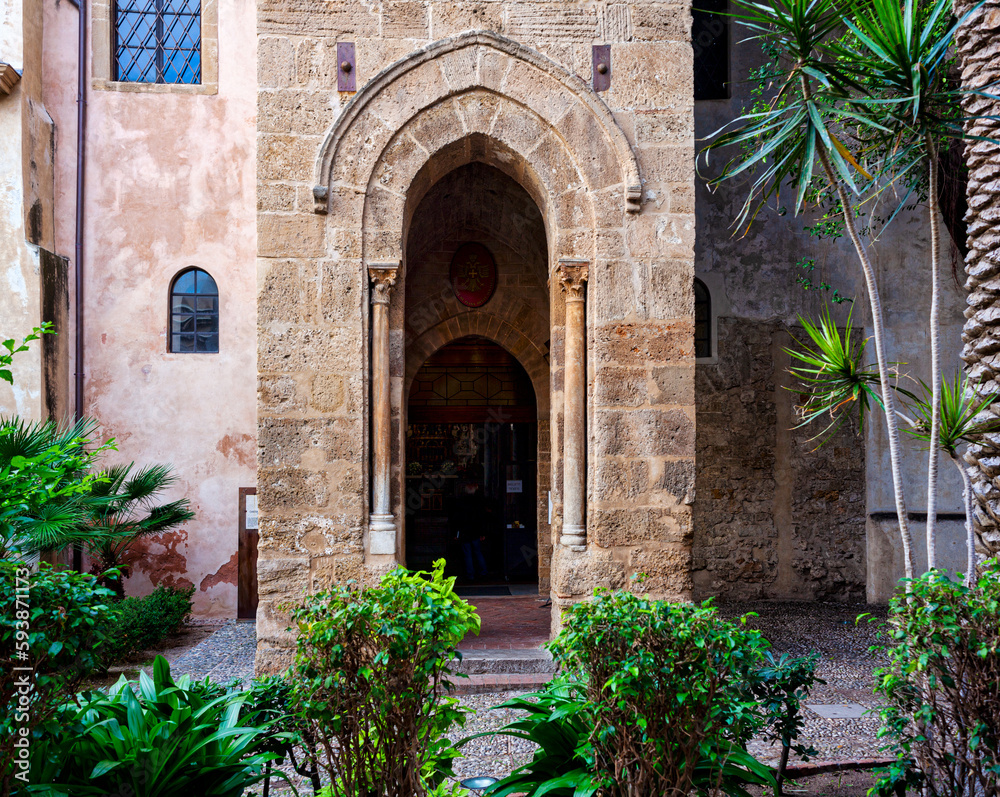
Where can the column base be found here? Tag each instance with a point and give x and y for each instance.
(574, 538)
(382, 534)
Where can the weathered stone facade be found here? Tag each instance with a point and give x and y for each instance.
(776, 516)
(611, 178)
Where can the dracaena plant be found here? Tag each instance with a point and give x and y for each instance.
(851, 114)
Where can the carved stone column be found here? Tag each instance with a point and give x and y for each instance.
(381, 522)
(573, 275)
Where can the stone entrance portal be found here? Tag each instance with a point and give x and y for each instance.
(479, 139)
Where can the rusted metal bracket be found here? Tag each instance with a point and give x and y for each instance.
(346, 67)
(602, 67)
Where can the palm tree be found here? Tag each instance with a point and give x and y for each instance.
(47, 496)
(126, 510)
(977, 41)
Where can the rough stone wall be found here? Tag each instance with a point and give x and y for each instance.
(520, 102)
(775, 516)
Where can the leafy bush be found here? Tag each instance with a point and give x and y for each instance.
(780, 686)
(370, 671)
(943, 686)
(667, 686)
(53, 622)
(166, 740)
(139, 624)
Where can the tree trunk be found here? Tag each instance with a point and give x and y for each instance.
(977, 41)
(888, 394)
(935, 337)
(970, 532)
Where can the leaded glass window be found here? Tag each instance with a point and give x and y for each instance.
(702, 320)
(710, 39)
(158, 41)
(194, 312)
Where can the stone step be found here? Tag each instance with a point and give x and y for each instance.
(499, 661)
(492, 682)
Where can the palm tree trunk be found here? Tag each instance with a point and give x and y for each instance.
(888, 395)
(935, 336)
(970, 529)
(977, 40)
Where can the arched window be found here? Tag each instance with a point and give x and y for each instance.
(194, 312)
(702, 320)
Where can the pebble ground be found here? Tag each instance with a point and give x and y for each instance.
(847, 665)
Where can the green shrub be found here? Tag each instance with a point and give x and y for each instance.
(370, 671)
(943, 686)
(139, 624)
(52, 622)
(166, 739)
(667, 683)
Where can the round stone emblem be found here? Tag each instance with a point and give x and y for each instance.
(473, 274)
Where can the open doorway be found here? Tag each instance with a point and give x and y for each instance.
(472, 469)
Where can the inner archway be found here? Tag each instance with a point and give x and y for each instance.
(472, 431)
(476, 386)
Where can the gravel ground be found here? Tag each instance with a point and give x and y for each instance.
(796, 628)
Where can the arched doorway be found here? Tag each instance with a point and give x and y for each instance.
(472, 425)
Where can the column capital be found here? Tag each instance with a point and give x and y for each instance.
(383, 277)
(573, 275)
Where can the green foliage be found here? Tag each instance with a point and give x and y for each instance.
(961, 417)
(13, 347)
(808, 266)
(163, 739)
(46, 499)
(667, 686)
(53, 622)
(942, 686)
(830, 366)
(138, 624)
(125, 508)
(780, 686)
(370, 671)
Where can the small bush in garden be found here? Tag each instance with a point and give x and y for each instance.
(780, 686)
(370, 672)
(53, 622)
(139, 624)
(163, 739)
(943, 686)
(667, 686)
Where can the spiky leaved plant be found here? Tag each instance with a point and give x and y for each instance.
(128, 509)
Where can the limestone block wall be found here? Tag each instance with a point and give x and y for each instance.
(506, 84)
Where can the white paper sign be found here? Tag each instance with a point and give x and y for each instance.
(251, 516)
(514, 486)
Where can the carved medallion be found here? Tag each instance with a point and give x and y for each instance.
(473, 274)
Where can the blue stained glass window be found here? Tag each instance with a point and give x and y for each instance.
(158, 41)
(194, 312)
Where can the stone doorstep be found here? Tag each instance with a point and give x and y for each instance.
(498, 661)
(502, 682)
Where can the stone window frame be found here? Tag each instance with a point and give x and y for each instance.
(718, 306)
(102, 65)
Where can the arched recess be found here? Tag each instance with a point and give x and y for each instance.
(563, 103)
(493, 328)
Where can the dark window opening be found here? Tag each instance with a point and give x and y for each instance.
(710, 39)
(194, 312)
(158, 41)
(702, 320)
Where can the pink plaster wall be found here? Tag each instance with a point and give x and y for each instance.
(171, 183)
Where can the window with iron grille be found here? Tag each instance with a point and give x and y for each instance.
(710, 39)
(702, 320)
(194, 312)
(158, 41)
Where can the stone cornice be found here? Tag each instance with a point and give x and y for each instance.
(9, 78)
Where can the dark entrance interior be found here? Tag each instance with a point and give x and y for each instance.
(472, 419)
